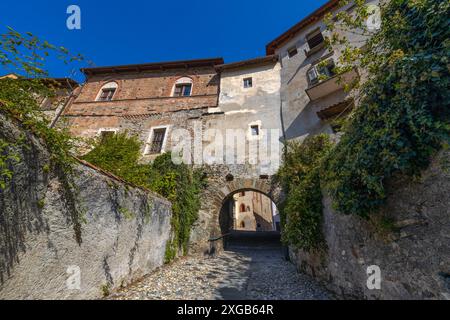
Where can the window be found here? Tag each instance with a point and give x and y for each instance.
(182, 87)
(243, 194)
(315, 39)
(248, 82)
(242, 225)
(255, 130)
(107, 92)
(321, 71)
(182, 90)
(104, 135)
(157, 140)
(242, 208)
(292, 52)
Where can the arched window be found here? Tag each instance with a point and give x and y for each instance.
(242, 208)
(107, 92)
(182, 87)
(242, 224)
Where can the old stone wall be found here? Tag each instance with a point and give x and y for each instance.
(223, 182)
(409, 240)
(101, 229)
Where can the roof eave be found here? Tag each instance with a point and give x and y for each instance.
(289, 34)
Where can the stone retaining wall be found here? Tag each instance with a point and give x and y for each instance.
(101, 232)
(413, 254)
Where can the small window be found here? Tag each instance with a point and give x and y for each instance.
(292, 52)
(313, 77)
(248, 82)
(242, 208)
(315, 39)
(104, 135)
(255, 130)
(183, 87)
(322, 71)
(157, 142)
(107, 92)
(242, 194)
(183, 90)
(242, 225)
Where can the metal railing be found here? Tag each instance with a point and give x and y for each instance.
(213, 241)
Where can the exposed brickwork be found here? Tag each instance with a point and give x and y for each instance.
(143, 100)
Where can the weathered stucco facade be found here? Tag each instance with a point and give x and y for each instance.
(310, 106)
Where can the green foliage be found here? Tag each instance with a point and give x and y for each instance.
(7, 157)
(180, 184)
(300, 177)
(19, 98)
(403, 114)
(119, 154)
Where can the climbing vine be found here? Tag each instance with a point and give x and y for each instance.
(19, 98)
(403, 114)
(401, 119)
(180, 184)
(300, 177)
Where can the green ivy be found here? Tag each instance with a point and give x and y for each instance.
(301, 211)
(7, 157)
(180, 184)
(402, 118)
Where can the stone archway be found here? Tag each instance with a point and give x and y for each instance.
(222, 185)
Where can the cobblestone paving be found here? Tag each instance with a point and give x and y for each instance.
(253, 274)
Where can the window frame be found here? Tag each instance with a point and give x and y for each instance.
(318, 71)
(313, 35)
(289, 50)
(248, 82)
(149, 143)
(183, 82)
(111, 86)
(101, 130)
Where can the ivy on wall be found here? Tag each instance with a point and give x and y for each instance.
(403, 114)
(401, 120)
(301, 211)
(180, 184)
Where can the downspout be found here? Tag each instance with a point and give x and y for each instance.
(69, 102)
(283, 129)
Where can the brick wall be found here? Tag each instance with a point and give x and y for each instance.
(143, 100)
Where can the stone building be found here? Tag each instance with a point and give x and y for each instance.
(252, 211)
(312, 98)
(249, 103)
(52, 107)
(148, 100)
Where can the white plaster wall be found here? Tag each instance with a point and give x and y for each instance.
(299, 113)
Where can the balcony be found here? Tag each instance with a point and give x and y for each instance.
(330, 85)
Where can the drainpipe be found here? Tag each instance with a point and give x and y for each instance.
(69, 102)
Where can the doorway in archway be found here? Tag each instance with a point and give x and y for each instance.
(250, 211)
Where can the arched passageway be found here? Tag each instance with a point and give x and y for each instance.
(215, 200)
(250, 211)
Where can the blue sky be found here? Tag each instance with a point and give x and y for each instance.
(116, 32)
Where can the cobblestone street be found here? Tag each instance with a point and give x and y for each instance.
(244, 273)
